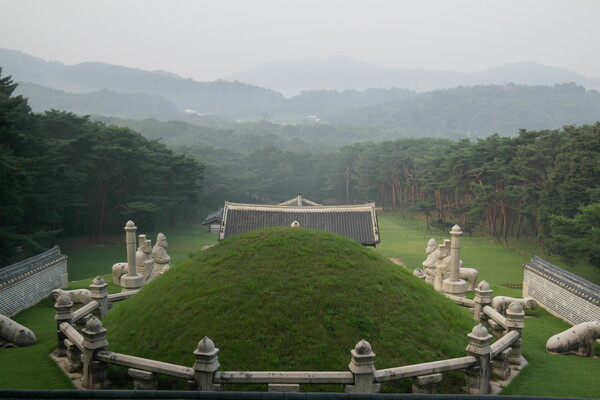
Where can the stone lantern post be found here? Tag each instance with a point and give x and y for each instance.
(454, 285)
(132, 280)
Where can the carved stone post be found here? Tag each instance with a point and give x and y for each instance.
(207, 363)
(362, 365)
(99, 291)
(64, 313)
(73, 363)
(143, 380)
(514, 322)
(454, 285)
(500, 367)
(426, 383)
(132, 280)
(94, 339)
(483, 297)
(478, 378)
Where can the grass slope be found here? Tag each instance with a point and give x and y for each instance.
(290, 299)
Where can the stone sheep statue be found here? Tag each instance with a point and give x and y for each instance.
(118, 270)
(81, 296)
(14, 334)
(501, 303)
(469, 275)
(578, 340)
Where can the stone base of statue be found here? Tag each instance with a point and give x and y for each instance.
(455, 288)
(129, 282)
(160, 268)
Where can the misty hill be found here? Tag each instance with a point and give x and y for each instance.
(102, 102)
(324, 101)
(233, 99)
(342, 73)
(481, 110)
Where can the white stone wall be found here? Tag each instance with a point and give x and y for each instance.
(560, 298)
(28, 289)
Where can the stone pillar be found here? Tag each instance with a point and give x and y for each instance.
(143, 380)
(64, 313)
(483, 297)
(514, 322)
(426, 383)
(362, 365)
(73, 363)
(454, 285)
(132, 280)
(94, 339)
(99, 291)
(500, 367)
(478, 378)
(207, 363)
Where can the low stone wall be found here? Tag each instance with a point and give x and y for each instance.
(25, 283)
(562, 293)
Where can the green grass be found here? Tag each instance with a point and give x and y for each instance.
(290, 299)
(31, 367)
(546, 375)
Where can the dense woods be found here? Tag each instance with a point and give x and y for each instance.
(70, 175)
(531, 185)
(63, 174)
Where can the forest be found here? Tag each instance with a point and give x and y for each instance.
(68, 175)
(64, 175)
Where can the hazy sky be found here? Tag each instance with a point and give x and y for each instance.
(207, 40)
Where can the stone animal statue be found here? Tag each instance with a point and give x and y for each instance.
(469, 275)
(501, 303)
(14, 334)
(118, 270)
(578, 340)
(81, 296)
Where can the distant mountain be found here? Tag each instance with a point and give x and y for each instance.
(342, 73)
(479, 111)
(103, 102)
(232, 99)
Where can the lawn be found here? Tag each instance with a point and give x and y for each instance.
(546, 374)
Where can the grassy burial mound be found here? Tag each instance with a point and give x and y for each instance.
(289, 299)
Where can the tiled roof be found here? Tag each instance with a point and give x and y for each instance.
(299, 201)
(217, 216)
(358, 222)
(569, 281)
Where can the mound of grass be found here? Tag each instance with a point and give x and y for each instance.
(290, 299)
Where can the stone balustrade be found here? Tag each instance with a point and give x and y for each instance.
(86, 351)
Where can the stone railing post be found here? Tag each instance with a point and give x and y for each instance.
(478, 377)
(143, 380)
(132, 280)
(94, 339)
(362, 366)
(207, 363)
(500, 367)
(454, 285)
(514, 322)
(64, 313)
(99, 291)
(73, 363)
(426, 383)
(483, 297)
